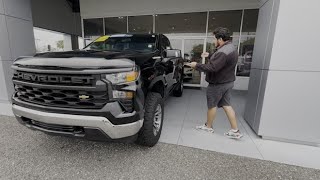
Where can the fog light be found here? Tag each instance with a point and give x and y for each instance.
(122, 94)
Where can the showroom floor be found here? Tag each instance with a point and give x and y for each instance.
(183, 114)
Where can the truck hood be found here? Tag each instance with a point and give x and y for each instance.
(74, 63)
(85, 60)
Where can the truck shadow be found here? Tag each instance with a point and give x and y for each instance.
(93, 150)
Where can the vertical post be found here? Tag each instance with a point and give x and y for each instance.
(240, 35)
(202, 79)
(154, 23)
(104, 26)
(127, 24)
(82, 32)
(206, 38)
(74, 42)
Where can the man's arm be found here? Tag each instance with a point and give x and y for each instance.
(214, 65)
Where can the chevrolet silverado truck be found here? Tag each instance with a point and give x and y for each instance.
(113, 89)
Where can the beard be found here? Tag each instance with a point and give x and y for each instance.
(217, 44)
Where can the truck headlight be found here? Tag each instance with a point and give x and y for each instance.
(119, 78)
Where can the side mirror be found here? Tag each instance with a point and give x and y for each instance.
(170, 53)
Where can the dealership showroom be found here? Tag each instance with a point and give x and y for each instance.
(275, 94)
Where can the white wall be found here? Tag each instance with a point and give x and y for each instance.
(292, 96)
(67, 43)
(55, 15)
(16, 39)
(262, 2)
(284, 101)
(297, 42)
(109, 8)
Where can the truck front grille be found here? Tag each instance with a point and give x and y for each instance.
(71, 98)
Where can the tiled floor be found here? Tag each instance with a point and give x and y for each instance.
(183, 114)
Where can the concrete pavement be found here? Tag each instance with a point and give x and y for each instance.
(26, 154)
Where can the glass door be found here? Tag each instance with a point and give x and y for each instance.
(191, 48)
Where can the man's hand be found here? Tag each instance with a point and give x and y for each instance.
(205, 54)
(193, 64)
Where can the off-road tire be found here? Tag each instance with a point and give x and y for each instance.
(146, 135)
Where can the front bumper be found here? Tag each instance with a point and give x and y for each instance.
(86, 124)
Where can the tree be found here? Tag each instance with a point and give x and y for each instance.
(60, 44)
(248, 41)
(198, 49)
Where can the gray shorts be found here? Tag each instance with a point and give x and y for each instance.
(219, 95)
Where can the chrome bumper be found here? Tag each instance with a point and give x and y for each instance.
(102, 123)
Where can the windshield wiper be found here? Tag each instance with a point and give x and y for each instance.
(92, 50)
(132, 50)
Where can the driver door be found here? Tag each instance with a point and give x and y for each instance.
(169, 64)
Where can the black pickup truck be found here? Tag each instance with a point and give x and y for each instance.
(113, 89)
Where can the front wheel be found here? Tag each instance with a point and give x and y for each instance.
(178, 91)
(153, 120)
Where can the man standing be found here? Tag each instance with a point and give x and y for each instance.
(220, 74)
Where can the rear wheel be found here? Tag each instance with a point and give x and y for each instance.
(153, 120)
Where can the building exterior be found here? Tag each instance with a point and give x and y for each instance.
(277, 65)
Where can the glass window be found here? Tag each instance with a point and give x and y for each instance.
(210, 47)
(115, 25)
(93, 27)
(141, 24)
(181, 24)
(47, 40)
(245, 56)
(227, 19)
(250, 19)
(136, 43)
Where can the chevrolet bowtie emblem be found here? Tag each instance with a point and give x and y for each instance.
(84, 97)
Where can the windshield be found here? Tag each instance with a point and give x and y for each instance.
(139, 43)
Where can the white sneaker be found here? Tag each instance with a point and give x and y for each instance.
(205, 128)
(233, 134)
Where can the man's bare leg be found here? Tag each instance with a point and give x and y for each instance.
(231, 116)
(211, 115)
